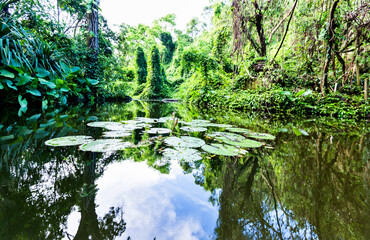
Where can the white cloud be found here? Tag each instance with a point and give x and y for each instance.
(156, 205)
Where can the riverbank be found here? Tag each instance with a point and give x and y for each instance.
(286, 101)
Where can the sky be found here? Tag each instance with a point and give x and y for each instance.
(166, 206)
(133, 12)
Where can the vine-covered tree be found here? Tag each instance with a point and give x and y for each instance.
(167, 41)
(142, 66)
(155, 87)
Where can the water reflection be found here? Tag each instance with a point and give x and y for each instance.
(305, 187)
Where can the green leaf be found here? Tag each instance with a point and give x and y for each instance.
(6, 73)
(1, 126)
(5, 138)
(182, 154)
(220, 149)
(193, 129)
(299, 93)
(304, 132)
(105, 145)
(159, 131)
(75, 69)
(286, 93)
(47, 83)
(93, 81)
(226, 135)
(264, 136)
(69, 141)
(22, 80)
(1, 86)
(44, 105)
(296, 131)
(65, 67)
(10, 85)
(92, 118)
(184, 142)
(246, 143)
(34, 92)
(59, 81)
(116, 134)
(42, 72)
(309, 92)
(20, 71)
(34, 118)
(23, 103)
(65, 88)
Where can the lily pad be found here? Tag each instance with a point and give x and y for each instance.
(165, 119)
(146, 120)
(221, 125)
(184, 142)
(226, 136)
(124, 127)
(220, 149)
(246, 143)
(133, 122)
(182, 154)
(69, 141)
(239, 130)
(265, 136)
(105, 145)
(116, 134)
(159, 131)
(197, 121)
(193, 129)
(104, 124)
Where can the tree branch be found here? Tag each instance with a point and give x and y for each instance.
(286, 31)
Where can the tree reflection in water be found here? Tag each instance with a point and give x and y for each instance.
(307, 187)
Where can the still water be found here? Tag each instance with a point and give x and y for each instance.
(311, 182)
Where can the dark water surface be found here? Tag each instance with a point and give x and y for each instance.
(311, 182)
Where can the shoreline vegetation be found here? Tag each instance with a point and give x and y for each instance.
(301, 58)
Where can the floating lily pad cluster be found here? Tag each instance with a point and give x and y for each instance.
(231, 142)
(184, 148)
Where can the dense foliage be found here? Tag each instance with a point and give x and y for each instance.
(245, 52)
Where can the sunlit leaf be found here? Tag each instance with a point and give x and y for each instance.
(49, 84)
(193, 129)
(220, 149)
(105, 145)
(6, 73)
(34, 92)
(68, 141)
(182, 154)
(159, 131)
(23, 103)
(226, 135)
(40, 72)
(184, 142)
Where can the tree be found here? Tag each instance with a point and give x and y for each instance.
(141, 65)
(155, 87)
(166, 40)
(93, 38)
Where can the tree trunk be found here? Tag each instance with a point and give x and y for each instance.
(92, 68)
(93, 27)
(331, 28)
(358, 45)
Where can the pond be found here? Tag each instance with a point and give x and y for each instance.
(301, 179)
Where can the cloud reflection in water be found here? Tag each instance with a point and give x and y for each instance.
(168, 206)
